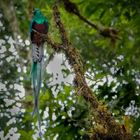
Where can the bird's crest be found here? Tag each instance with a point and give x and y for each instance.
(36, 12)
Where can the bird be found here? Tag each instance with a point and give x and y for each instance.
(38, 29)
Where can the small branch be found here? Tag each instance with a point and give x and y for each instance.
(56, 46)
(111, 33)
(87, 21)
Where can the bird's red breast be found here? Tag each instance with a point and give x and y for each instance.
(41, 28)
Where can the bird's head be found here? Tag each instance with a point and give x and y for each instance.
(38, 16)
(37, 12)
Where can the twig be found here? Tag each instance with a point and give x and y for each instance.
(112, 33)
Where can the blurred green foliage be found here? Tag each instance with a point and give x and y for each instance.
(113, 72)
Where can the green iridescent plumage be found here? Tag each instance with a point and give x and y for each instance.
(38, 18)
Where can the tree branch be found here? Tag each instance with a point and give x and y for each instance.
(109, 32)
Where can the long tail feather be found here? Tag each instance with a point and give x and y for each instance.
(34, 73)
(37, 78)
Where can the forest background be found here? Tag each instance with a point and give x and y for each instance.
(90, 89)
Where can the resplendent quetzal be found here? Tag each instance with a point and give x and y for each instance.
(38, 26)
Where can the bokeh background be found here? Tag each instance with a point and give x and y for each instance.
(112, 71)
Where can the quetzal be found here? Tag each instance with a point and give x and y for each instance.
(38, 28)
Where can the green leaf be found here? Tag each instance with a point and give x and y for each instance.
(136, 125)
